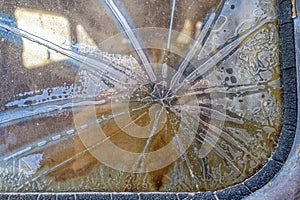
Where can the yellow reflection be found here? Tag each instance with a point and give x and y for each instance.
(83, 37)
(49, 26)
(186, 33)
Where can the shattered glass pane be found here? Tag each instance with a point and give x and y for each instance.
(177, 96)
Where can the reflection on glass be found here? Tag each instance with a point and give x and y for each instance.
(137, 96)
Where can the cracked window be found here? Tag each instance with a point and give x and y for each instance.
(177, 96)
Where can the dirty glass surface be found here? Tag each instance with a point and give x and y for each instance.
(151, 95)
